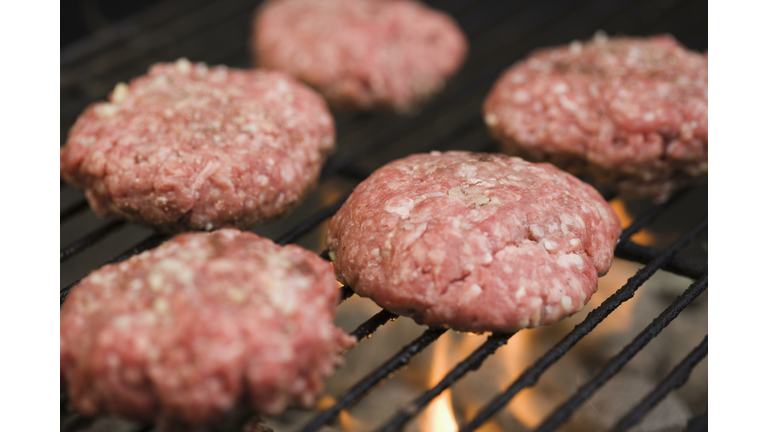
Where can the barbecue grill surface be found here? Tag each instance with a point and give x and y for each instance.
(500, 33)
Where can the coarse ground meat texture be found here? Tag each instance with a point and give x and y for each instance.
(361, 54)
(473, 241)
(189, 146)
(183, 333)
(631, 112)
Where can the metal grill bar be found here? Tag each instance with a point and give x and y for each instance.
(354, 172)
(650, 216)
(153, 241)
(109, 66)
(74, 209)
(683, 266)
(501, 32)
(186, 35)
(90, 239)
(159, 14)
(698, 423)
(618, 361)
(78, 422)
(200, 11)
(301, 229)
(476, 358)
(673, 15)
(533, 372)
(485, 61)
(184, 18)
(148, 40)
(366, 329)
(366, 384)
(493, 43)
(312, 221)
(346, 291)
(472, 362)
(347, 165)
(675, 379)
(477, 89)
(145, 428)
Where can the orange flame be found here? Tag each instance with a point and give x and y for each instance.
(531, 405)
(527, 407)
(439, 414)
(346, 420)
(642, 237)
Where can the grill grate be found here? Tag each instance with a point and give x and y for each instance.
(627, 353)
(500, 33)
(675, 379)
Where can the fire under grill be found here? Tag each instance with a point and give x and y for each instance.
(500, 33)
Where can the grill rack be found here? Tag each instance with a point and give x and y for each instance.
(92, 66)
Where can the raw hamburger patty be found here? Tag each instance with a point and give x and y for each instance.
(189, 146)
(184, 332)
(630, 111)
(477, 242)
(362, 54)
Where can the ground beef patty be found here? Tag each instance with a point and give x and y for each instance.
(629, 111)
(362, 54)
(477, 242)
(184, 332)
(189, 146)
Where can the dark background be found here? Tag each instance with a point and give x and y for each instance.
(80, 18)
